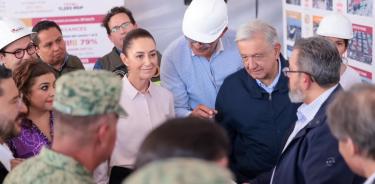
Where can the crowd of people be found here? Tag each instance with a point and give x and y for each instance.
(230, 108)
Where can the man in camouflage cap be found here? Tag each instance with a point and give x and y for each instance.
(181, 171)
(86, 109)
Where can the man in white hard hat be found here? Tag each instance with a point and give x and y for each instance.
(195, 65)
(337, 29)
(15, 43)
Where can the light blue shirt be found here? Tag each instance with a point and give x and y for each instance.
(194, 80)
(271, 87)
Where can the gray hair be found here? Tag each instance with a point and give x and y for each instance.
(82, 127)
(352, 115)
(252, 29)
(320, 58)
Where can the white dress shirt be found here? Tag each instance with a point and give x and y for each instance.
(5, 156)
(371, 179)
(145, 112)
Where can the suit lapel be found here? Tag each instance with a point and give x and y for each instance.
(318, 119)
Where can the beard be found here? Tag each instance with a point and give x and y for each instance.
(10, 128)
(296, 95)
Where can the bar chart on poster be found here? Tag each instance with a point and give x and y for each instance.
(79, 20)
(301, 19)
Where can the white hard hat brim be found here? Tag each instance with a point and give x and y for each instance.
(201, 37)
(11, 40)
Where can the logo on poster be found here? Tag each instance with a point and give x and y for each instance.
(14, 30)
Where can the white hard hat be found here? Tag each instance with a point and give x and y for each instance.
(335, 25)
(11, 30)
(205, 20)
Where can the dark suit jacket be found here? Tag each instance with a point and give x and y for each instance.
(312, 157)
(257, 122)
(3, 172)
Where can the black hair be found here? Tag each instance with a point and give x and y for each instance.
(184, 137)
(134, 34)
(114, 11)
(40, 26)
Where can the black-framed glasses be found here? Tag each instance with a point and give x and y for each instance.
(19, 53)
(122, 26)
(286, 70)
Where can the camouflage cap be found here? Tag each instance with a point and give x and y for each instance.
(85, 93)
(181, 171)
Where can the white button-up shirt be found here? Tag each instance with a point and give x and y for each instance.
(145, 112)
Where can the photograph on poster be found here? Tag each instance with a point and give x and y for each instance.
(295, 2)
(360, 7)
(293, 22)
(323, 4)
(360, 46)
(316, 21)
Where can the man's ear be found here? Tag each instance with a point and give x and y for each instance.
(277, 48)
(306, 81)
(124, 59)
(102, 134)
(352, 148)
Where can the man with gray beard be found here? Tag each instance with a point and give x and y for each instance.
(311, 154)
(12, 110)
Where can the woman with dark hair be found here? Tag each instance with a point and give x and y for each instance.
(147, 104)
(36, 83)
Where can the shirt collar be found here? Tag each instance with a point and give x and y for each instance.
(59, 160)
(219, 48)
(132, 91)
(370, 179)
(308, 111)
(118, 50)
(272, 86)
(64, 63)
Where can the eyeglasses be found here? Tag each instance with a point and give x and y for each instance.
(200, 43)
(122, 26)
(19, 53)
(286, 70)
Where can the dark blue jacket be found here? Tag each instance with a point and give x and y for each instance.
(255, 121)
(312, 157)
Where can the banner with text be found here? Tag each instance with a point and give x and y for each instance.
(80, 21)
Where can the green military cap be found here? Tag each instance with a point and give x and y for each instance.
(181, 171)
(85, 93)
